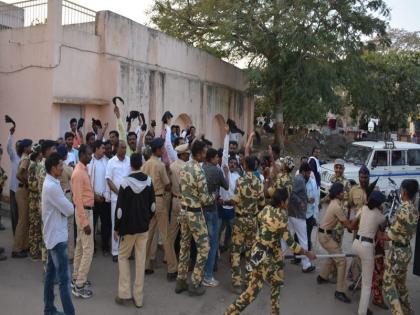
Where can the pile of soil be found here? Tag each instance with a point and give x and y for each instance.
(300, 144)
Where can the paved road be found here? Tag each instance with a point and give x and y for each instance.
(21, 291)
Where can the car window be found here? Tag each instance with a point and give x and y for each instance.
(413, 157)
(380, 158)
(397, 158)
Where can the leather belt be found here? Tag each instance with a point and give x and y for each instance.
(192, 209)
(67, 191)
(325, 231)
(161, 195)
(364, 239)
(87, 208)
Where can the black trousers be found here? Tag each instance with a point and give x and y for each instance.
(310, 223)
(14, 212)
(103, 211)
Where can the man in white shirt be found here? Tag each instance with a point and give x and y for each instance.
(118, 167)
(55, 210)
(227, 210)
(102, 194)
(13, 184)
(72, 153)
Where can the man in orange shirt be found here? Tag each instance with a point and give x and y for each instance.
(83, 198)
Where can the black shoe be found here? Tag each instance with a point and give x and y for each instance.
(181, 286)
(369, 312)
(121, 301)
(106, 253)
(171, 276)
(115, 258)
(1, 250)
(309, 269)
(342, 297)
(321, 280)
(149, 271)
(21, 254)
(196, 291)
(3, 257)
(2, 227)
(296, 261)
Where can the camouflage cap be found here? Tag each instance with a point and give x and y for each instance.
(289, 162)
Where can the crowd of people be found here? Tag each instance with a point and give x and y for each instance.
(198, 201)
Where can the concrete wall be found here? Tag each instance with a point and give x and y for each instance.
(45, 67)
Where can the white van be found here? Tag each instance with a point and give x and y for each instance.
(385, 160)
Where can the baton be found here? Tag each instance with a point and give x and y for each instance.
(321, 256)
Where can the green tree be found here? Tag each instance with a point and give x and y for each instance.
(294, 47)
(385, 85)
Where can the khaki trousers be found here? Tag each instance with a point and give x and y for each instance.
(332, 247)
(174, 225)
(366, 253)
(160, 221)
(127, 243)
(22, 229)
(84, 252)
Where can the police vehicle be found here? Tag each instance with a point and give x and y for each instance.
(390, 162)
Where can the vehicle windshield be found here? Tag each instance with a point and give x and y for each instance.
(358, 155)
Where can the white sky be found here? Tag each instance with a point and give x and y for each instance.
(405, 13)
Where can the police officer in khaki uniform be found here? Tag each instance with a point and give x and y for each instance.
(334, 214)
(155, 168)
(357, 199)
(183, 152)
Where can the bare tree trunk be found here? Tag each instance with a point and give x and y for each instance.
(279, 122)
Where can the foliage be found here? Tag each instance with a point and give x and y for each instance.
(295, 48)
(385, 85)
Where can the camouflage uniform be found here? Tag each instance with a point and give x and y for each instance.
(41, 174)
(194, 196)
(35, 220)
(282, 180)
(400, 231)
(3, 178)
(266, 259)
(249, 194)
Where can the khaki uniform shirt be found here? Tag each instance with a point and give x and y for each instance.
(175, 176)
(333, 215)
(65, 180)
(357, 198)
(157, 171)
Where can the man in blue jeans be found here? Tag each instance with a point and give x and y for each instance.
(55, 210)
(215, 180)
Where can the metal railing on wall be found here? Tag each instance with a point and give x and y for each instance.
(23, 14)
(78, 17)
(34, 12)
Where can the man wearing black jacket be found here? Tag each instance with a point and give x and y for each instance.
(135, 208)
